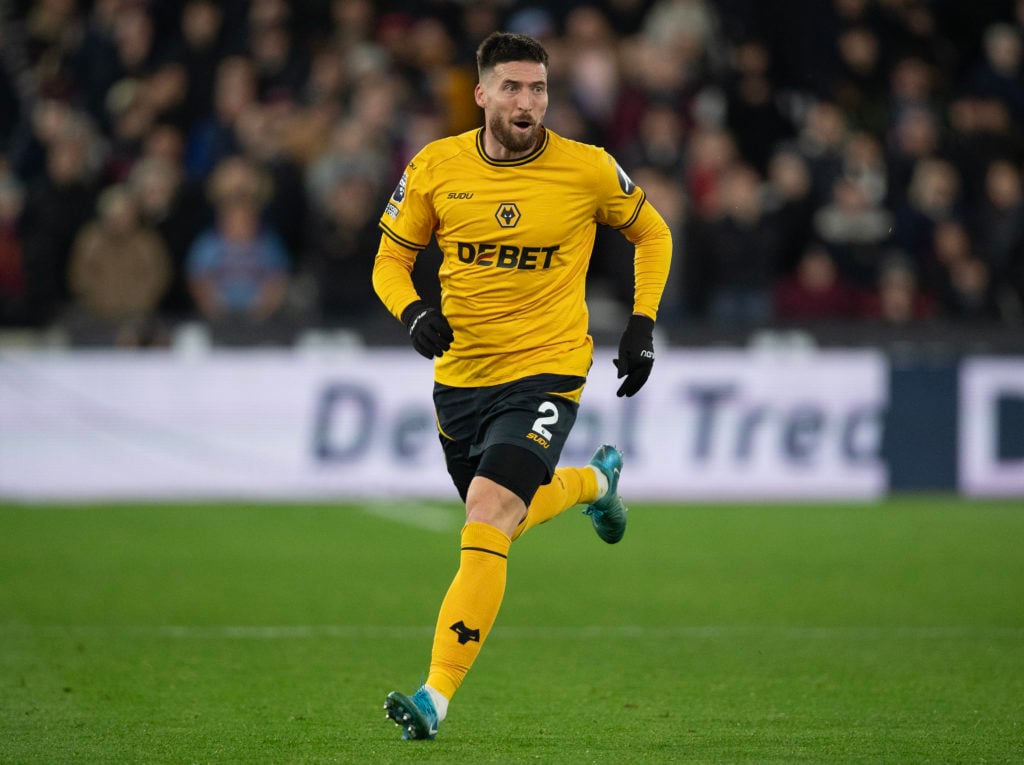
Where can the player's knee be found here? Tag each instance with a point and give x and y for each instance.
(514, 468)
(491, 503)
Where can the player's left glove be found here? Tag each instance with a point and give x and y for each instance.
(636, 354)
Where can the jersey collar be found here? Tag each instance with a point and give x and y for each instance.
(510, 162)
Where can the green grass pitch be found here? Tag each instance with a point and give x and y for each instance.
(854, 633)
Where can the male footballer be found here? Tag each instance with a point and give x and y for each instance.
(514, 208)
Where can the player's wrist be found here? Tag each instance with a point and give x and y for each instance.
(641, 324)
(414, 309)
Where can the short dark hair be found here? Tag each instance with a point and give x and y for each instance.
(501, 47)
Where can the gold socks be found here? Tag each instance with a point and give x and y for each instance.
(569, 486)
(470, 607)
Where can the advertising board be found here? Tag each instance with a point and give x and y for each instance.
(290, 424)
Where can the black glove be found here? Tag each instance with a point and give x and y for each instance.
(430, 332)
(636, 354)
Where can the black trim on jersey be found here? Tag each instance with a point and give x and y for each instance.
(485, 550)
(399, 240)
(509, 162)
(635, 215)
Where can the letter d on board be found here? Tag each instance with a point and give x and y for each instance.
(344, 421)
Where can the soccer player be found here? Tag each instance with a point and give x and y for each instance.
(514, 208)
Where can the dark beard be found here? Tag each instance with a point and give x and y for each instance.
(513, 142)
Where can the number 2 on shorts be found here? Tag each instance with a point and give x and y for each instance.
(549, 416)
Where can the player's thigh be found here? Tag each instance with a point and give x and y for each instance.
(514, 468)
(458, 421)
(535, 414)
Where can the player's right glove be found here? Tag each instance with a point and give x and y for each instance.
(636, 354)
(430, 332)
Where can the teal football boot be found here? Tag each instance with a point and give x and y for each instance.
(608, 514)
(416, 716)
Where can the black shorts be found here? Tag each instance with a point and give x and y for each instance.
(534, 414)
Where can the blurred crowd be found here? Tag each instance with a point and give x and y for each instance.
(227, 162)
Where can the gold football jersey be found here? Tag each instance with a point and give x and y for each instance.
(516, 237)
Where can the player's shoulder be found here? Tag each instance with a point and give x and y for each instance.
(444, 150)
(580, 153)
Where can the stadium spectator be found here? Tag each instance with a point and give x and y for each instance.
(260, 129)
(166, 141)
(959, 280)
(854, 230)
(860, 88)
(213, 137)
(913, 139)
(198, 46)
(739, 250)
(118, 273)
(864, 164)
(969, 294)
(351, 24)
(659, 141)
(353, 149)
(130, 120)
(442, 80)
(261, 14)
(897, 298)
(343, 233)
(53, 30)
(710, 152)
(815, 291)
(821, 141)
(1000, 73)
(177, 210)
(238, 271)
(166, 93)
(57, 205)
(999, 225)
(787, 196)
(688, 26)
(280, 73)
(376, 105)
(934, 195)
(912, 86)
(47, 120)
(754, 114)
(328, 78)
(593, 78)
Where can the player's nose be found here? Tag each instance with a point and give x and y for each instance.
(525, 102)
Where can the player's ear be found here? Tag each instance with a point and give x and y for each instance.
(478, 95)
